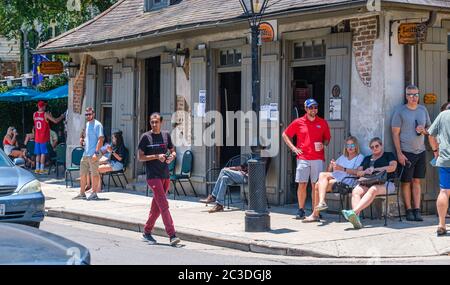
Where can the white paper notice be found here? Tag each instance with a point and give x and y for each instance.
(201, 109)
(335, 109)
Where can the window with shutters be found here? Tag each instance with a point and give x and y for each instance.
(230, 57)
(106, 99)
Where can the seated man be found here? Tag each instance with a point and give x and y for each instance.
(363, 196)
(229, 176)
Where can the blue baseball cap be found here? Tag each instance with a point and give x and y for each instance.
(310, 102)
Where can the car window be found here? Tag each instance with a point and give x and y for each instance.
(4, 160)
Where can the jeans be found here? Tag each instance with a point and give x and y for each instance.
(227, 178)
(160, 206)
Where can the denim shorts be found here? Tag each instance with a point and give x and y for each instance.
(116, 166)
(444, 177)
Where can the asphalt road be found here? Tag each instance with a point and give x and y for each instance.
(110, 246)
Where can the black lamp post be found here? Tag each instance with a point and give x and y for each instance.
(257, 217)
(254, 10)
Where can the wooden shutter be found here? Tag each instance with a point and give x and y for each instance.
(167, 90)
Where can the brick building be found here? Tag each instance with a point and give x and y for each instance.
(345, 54)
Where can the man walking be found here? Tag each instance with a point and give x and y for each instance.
(157, 151)
(92, 139)
(409, 127)
(42, 135)
(440, 143)
(312, 134)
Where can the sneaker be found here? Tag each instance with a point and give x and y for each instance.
(346, 214)
(93, 197)
(322, 207)
(417, 215)
(44, 171)
(300, 214)
(354, 220)
(37, 171)
(79, 197)
(174, 240)
(410, 215)
(149, 239)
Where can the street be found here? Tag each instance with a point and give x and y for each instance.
(111, 246)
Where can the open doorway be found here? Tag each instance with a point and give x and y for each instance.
(308, 82)
(153, 87)
(230, 100)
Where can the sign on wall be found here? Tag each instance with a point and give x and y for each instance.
(268, 31)
(51, 67)
(412, 33)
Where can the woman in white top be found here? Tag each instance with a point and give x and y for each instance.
(346, 165)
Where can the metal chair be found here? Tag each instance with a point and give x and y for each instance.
(77, 154)
(59, 159)
(171, 172)
(118, 173)
(185, 172)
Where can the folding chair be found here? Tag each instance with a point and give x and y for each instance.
(185, 172)
(59, 159)
(118, 173)
(77, 154)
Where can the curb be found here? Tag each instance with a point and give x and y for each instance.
(192, 235)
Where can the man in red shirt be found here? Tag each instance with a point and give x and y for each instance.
(42, 135)
(312, 134)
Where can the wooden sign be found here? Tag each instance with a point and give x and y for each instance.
(412, 33)
(430, 98)
(51, 67)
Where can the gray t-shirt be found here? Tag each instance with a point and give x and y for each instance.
(407, 120)
(441, 129)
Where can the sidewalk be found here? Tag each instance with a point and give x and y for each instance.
(129, 210)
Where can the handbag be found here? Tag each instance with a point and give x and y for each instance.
(341, 188)
(373, 179)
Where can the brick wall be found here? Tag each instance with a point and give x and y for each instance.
(365, 32)
(9, 68)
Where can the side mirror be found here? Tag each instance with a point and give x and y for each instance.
(19, 162)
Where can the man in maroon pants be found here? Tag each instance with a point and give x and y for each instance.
(157, 151)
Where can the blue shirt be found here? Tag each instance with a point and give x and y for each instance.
(94, 130)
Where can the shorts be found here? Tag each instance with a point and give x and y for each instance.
(444, 178)
(116, 165)
(88, 166)
(40, 148)
(390, 187)
(417, 169)
(308, 169)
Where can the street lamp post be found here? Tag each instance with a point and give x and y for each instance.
(25, 29)
(257, 217)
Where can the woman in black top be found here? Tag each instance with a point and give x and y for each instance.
(117, 157)
(363, 196)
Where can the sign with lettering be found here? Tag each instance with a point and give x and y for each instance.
(51, 67)
(412, 33)
(268, 31)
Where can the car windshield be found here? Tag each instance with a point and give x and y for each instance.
(4, 160)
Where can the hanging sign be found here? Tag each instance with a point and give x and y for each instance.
(412, 33)
(268, 31)
(51, 67)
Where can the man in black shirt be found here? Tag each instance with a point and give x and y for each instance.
(157, 151)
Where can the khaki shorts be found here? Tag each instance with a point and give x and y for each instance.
(88, 166)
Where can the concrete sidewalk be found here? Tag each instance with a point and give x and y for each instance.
(129, 210)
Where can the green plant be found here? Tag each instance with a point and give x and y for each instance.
(49, 84)
(3, 88)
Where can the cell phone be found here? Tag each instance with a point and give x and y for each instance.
(167, 154)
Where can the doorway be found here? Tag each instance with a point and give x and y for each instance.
(153, 87)
(230, 100)
(308, 82)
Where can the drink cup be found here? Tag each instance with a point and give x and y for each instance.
(318, 146)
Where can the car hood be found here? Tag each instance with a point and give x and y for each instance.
(15, 176)
(21, 244)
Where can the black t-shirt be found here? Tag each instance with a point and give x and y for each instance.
(120, 150)
(383, 161)
(152, 144)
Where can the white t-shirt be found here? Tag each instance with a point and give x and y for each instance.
(350, 164)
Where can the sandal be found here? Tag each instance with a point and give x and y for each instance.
(311, 219)
(441, 231)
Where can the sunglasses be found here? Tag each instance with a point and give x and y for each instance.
(88, 114)
(375, 146)
(412, 95)
(351, 145)
(313, 108)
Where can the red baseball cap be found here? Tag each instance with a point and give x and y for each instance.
(41, 104)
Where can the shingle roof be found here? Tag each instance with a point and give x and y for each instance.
(127, 19)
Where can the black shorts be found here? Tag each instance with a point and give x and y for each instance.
(417, 168)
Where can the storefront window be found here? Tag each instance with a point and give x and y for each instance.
(107, 84)
(311, 49)
(230, 57)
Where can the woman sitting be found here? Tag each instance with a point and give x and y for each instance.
(117, 154)
(363, 196)
(11, 145)
(346, 165)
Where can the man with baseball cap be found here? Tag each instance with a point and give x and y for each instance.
(312, 134)
(42, 135)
